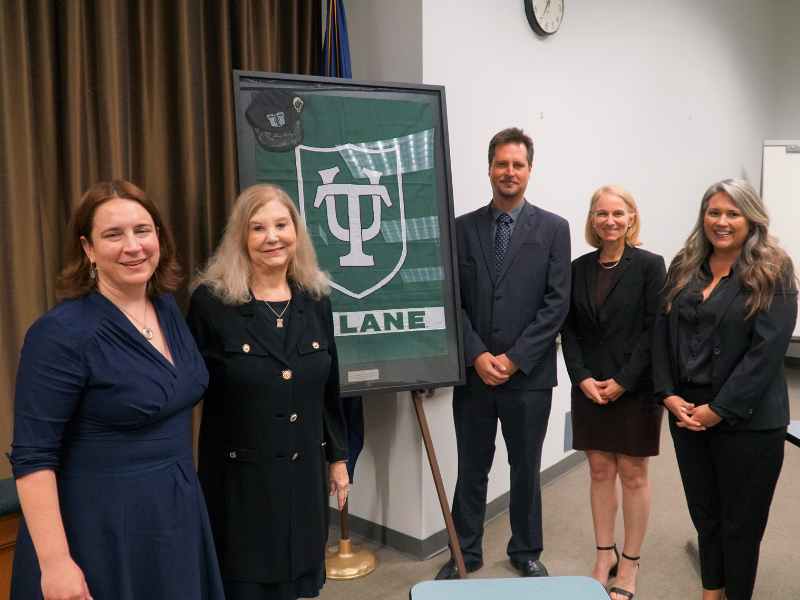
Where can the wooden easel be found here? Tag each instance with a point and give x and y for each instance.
(418, 395)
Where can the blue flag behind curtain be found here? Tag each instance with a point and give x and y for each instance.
(336, 47)
(336, 63)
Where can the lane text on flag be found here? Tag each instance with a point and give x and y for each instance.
(393, 320)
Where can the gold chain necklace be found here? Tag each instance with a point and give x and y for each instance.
(611, 267)
(145, 331)
(278, 320)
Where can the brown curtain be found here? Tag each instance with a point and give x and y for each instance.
(141, 90)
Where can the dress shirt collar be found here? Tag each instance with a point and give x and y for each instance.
(513, 213)
(706, 274)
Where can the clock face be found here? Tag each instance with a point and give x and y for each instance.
(544, 16)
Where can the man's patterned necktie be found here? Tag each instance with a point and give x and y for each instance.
(501, 239)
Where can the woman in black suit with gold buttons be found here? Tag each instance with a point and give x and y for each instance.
(606, 341)
(272, 415)
(718, 348)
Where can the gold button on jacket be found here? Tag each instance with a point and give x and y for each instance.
(287, 374)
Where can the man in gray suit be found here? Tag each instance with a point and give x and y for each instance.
(514, 272)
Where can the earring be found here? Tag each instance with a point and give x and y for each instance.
(93, 270)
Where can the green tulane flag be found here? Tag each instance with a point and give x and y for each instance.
(363, 179)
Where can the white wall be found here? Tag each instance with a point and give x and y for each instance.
(385, 39)
(786, 109)
(387, 482)
(664, 97)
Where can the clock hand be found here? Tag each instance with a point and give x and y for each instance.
(546, 8)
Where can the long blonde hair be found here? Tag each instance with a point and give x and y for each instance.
(227, 273)
(763, 262)
(632, 234)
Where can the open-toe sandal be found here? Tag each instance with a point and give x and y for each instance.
(620, 591)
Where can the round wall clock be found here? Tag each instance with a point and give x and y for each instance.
(544, 16)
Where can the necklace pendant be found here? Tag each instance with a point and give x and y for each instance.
(279, 322)
(148, 333)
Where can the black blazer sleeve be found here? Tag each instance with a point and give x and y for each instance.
(467, 246)
(665, 382)
(631, 375)
(665, 378)
(570, 337)
(334, 427)
(473, 344)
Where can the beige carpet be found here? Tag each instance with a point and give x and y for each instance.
(669, 567)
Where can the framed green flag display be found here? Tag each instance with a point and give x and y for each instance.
(368, 166)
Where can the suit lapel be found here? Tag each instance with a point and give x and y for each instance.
(257, 325)
(521, 230)
(624, 263)
(484, 227)
(729, 294)
(297, 322)
(590, 275)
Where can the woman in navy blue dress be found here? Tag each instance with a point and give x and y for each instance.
(102, 451)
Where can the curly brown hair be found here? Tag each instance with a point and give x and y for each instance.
(766, 268)
(76, 280)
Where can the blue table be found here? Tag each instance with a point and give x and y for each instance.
(518, 588)
(793, 435)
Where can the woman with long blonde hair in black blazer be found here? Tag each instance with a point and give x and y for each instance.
(272, 416)
(615, 417)
(718, 347)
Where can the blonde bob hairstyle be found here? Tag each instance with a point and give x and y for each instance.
(632, 235)
(229, 271)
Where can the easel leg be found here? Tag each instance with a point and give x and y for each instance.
(437, 480)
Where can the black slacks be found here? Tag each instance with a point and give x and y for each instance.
(523, 417)
(729, 478)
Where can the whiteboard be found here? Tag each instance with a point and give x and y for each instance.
(780, 190)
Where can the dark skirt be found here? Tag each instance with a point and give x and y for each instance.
(631, 425)
(307, 585)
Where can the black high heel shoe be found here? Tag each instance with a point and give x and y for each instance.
(612, 572)
(620, 591)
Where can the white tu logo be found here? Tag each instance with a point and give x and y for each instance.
(354, 232)
(382, 266)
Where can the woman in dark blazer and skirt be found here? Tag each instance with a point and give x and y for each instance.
(272, 416)
(606, 341)
(718, 347)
